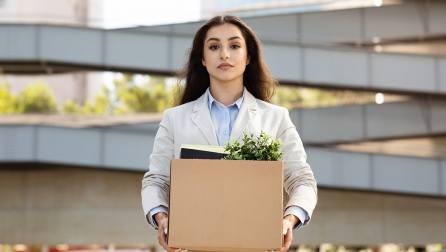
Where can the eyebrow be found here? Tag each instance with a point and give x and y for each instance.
(217, 39)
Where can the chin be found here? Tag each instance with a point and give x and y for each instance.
(226, 77)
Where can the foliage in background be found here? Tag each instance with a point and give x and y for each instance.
(258, 148)
(126, 96)
(7, 100)
(299, 97)
(102, 105)
(149, 97)
(35, 98)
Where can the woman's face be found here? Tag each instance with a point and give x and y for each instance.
(225, 55)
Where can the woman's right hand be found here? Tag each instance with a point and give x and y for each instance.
(163, 221)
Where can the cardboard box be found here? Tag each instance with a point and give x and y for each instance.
(226, 205)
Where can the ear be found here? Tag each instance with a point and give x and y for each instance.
(248, 60)
(203, 62)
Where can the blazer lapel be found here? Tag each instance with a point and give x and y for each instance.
(248, 111)
(202, 118)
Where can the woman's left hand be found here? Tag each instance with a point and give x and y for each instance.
(288, 223)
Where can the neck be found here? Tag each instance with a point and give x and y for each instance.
(226, 92)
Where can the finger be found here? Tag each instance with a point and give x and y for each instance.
(286, 226)
(287, 240)
(162, 239)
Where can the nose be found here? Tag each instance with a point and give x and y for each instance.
(224, 54)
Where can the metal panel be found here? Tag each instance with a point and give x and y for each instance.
(284, 61)
(294, 116)
(395, 119)
(145, 51)
(443, 176)
(163, 52)
(68, 146)
(438, 117)
(405, 174)
(128, 151)
(281, 28)
(179, 49)
(331, 26)
(393, 22)
(356, 170)
(331, 66)
(437, 18)
(79, 45)
(18, 42)
(442, 74)
(187, 28)
(386, 22)
(16, 143)
(148, 29)
(340, 169)
(404, 72)
(124, 148)
(321, 164)
(346, 123)
(151, 127)
(332, 124)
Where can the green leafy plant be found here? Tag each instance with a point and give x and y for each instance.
(259, 148)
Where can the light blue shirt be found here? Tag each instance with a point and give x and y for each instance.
(223, 118)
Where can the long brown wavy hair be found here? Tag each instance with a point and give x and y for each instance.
(257, 79)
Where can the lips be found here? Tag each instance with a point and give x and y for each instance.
(224, 65)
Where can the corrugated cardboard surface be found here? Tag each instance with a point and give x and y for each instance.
(226, 205)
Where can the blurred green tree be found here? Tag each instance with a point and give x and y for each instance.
(36, 98)
(288, 97)
(300, 97)
(127, 96)
(150, 96)
(7, 100)
(71, 107)
(102, 105)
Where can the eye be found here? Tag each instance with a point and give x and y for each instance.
(235, 46)
(213, 47)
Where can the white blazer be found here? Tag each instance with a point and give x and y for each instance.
(191, 123)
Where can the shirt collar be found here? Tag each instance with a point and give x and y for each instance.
(238, 102)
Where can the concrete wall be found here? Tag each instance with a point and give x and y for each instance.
(349, 217)
(307, 23)
(73, 206)
(370, 121)
(128, 147)
(61, 48)
(79, 206)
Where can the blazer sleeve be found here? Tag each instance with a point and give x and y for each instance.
(299, 181)
(156, 182)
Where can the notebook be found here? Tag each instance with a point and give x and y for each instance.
(189, 151)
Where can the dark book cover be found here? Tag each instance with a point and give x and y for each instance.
(186, 153)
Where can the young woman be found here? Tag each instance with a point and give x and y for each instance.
(228, 91)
